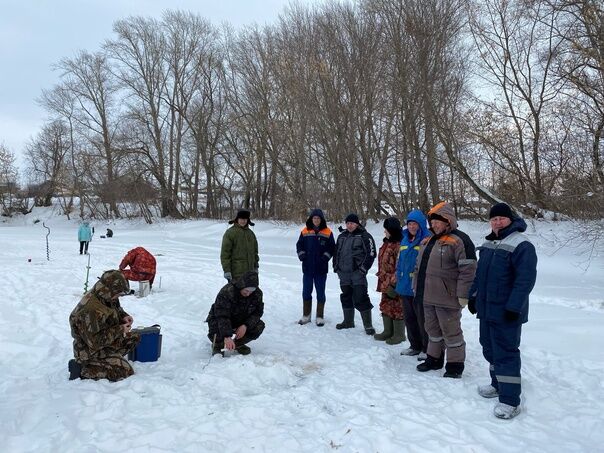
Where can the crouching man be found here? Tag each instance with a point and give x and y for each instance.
(234, 317)
(101, 331)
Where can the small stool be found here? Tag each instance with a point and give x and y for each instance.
(144, 288)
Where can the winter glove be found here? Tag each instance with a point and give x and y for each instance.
(472, 305)
(462, 301)
(301, 256)
(228, 276)
(511, 316)
(391, 293)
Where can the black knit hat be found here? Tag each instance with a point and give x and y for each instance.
(435, 216)
(392, 225)
(242, 214)
(502, 210)
(352, 217)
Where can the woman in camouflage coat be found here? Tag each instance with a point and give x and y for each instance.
(391, 304)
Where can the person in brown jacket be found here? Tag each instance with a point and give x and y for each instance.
(391, 304)
(443, 275)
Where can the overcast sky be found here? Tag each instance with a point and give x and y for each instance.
(34, 34)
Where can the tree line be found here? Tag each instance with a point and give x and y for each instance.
(375, 107)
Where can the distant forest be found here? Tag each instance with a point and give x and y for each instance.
(376, 107)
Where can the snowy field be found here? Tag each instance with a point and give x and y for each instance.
(303, 388)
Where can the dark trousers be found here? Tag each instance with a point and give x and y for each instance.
(355, 296)
(500, 343)
(414, 322)
(83, 247)
(319, 283)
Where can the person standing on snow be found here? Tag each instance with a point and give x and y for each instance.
(315, 248)
(239, 250)
(84, 236)
(445, 269)
(355, 253)
(234, 318)
(101, 331)
(506, 275)
(413, 235)
(391, 304)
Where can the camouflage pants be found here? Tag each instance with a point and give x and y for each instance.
(112, 366)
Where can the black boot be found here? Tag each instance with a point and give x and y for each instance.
(367, 324)
(431, 363)
(348, 322)
(453, 370)
(75, 370)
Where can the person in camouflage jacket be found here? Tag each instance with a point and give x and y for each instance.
(234, 318)
(239, 250)
(101, 331)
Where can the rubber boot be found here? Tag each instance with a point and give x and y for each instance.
(320, 317)
(348, 322)
(241, 347)
(75, 369)
(387, 333)
(366, 317)
(399, 332)
(306, 309)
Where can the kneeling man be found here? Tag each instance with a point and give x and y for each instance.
(234, 317)
(101, 331)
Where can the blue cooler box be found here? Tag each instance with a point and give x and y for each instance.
(149, 348)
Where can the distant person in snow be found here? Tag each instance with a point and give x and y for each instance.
(391, 304)
(355, 253)
(413, 235)
(506, 275)
(101, 331)
(234, 318)
(84, 236)
(141, 264)
(315, 247)
(239, 250)
(109, 233)
(444, 271)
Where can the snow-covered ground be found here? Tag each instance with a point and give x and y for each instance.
(303, 388)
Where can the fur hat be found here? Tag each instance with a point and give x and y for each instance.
(242, 214)
(502, 210)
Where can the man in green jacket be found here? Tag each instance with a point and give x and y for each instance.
(239, 251)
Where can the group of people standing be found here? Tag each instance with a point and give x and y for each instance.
(426, 277)
(427, 274)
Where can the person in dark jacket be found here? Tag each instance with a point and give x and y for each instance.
(413, 235)
(355, 253)
(444, 272)
(239, 250)
(315, 248)
(506, 275)
(234, 318)
(391, 304)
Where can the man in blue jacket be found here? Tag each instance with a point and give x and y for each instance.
(507, 270)
(355, 253)
(315, 248)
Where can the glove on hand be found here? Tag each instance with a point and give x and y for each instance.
(228, 276)
(462, 301)
(391, 293)
(511, 316)
(472, 305)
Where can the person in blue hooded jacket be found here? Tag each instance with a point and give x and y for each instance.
(499, 296)
(416, 231)
(315, 247)
(84, 236)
